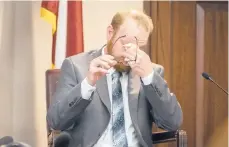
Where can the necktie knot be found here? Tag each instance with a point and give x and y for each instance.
(116, 75)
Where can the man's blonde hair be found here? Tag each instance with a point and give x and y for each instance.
(141, 18)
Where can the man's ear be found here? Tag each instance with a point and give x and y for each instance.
(110, 32)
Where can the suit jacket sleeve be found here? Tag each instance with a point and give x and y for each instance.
(68, 102)
(166, 110)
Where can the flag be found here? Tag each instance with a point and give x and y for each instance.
(75, 28)
(49, 12)
(68, 33)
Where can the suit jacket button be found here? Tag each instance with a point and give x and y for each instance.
(70, 104)
(160, 94)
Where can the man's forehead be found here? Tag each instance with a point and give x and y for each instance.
(141, 37)
(131, 28)
(133, 31)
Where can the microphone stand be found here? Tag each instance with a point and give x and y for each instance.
(207, 77)
(218, 86)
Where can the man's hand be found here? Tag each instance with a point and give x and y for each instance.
(99, 67)
(143, 65)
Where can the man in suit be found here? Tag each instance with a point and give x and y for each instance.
(110, 97)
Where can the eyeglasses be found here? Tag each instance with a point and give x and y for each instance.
(136, 55)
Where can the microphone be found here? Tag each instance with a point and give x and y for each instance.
(207, 77)
(6, 140)
(16, 144)
(62, 140)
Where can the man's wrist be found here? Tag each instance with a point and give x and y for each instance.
(86, 89)
(89, 79)
(148, 72)
(146, 80)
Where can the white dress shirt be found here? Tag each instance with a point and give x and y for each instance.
(106, 138)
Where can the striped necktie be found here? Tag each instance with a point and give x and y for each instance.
(118, 121)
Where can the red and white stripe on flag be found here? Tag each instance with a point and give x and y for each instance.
(68, 29)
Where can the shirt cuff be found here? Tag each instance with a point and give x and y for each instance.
(86, 89)
(148, 80)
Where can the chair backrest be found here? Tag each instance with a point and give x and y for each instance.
(179, 136)
(52, 77)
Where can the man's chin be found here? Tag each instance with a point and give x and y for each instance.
(122, 68)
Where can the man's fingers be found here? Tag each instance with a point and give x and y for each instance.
(111, 62)
(107, 57)
(129, 56)
(128, 45)
(131, 64)
(100, 70)
(103, 64)
(132, 51)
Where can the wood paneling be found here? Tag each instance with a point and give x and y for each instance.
(199, 80)
(164, 38)
(188, 39)
(215, 63)
(184, 63)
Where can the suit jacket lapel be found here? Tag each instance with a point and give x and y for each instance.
(101, 85)
(102, 89)
(134, 85)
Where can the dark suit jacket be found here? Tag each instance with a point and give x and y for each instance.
(86, 120)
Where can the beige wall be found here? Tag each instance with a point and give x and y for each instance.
(97, 16)
(6, 70)
(25, 54)
(25, 44)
